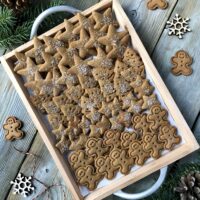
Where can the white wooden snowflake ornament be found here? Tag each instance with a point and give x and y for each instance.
(178, 26)
(22, 185)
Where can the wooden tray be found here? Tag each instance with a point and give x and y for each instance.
(189, 145)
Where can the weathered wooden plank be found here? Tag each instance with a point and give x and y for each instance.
(46, 172)
(148, 24)
(185, 90)
(11, 105)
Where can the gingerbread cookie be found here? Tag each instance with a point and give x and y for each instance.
(120, 159)
(132, 58)
(141, 123)
(135, 106)
(168, 135)
(152, 145)
(79, 159)
(127, 139)
(182, 63)
(154, 4)
(157, 117)
(12, 128)
(95, 147)
(102, 73)
(51, 108)
(71, 110)
(104, 166)
(87, 177)
(115, 125)
(137, 152)
(79, 143)
(127, 100)
(112, 139)
(125, 118)
(105, 109)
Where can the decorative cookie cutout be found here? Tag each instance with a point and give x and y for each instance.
(23, 185)
(95, 147)
(64, 144)
(152, 145)
(59, 132)
(120, 159)
(86, 176)
(125, 118)
(182, 63)
(178, 26)
(149, 101)
(104, 166)
(154, 4)
(168, 135)
(157, 117)
(79, 159)
(78, 143)
(137, 152)
(12, 128)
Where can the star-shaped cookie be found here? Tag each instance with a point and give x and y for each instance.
(21, 61)
(67, 55)
(36, 51)
(101, 60)
(29, 71)
(84, 23)
(80, 67)
(68, 35)
(67, 78)
(104, 20)
(94, 36)
(112, 39)
(50, 62)
(80, 44)
(52, 44)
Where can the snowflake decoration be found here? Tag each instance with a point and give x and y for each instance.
(178, 26)
(22, 185)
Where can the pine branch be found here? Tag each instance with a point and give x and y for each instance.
(7, 19)
(17, 37)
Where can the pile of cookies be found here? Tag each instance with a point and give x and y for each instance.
(93, 89)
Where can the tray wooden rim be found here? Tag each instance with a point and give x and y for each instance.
(189, 146)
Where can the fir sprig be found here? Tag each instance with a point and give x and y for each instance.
(15, 29)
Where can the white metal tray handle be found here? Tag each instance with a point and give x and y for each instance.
(120, 193)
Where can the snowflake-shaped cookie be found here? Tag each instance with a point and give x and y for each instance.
(178, 26)
(22, 185)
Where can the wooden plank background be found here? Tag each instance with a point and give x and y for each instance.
(150, 26)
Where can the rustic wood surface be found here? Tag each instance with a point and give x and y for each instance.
(150, 26)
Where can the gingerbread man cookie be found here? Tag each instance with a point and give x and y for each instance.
(12, 128)
(87, 177)
(112, 138)
(157, 117)
(127, 139)
(154, 4)
(182, 64)
(79, 159)
(104, 166)
(95, 147)
(121, 160)
(137, 152)
(152, 145)
(168, 135)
